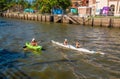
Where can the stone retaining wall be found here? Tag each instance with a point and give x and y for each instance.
(103, 22)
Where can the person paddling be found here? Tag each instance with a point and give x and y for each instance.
(77, 44)
(65, 42)
(34, 42)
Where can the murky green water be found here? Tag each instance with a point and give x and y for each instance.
(56, 62)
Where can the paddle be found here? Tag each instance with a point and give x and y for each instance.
(24, 46)
(43, 49)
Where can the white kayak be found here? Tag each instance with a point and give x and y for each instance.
(74, 48)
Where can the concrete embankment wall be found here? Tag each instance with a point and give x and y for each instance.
(35, 17)
(103, 22)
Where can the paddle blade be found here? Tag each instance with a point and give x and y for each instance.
(43, 49)
(24, 46)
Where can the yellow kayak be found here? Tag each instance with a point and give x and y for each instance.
(33, 47)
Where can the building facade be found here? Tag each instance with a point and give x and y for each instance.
(97, 5)
(80, 2)
(114, 7)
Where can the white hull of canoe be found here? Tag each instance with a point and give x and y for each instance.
(74, 48)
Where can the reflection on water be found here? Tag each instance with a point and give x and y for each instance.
(55, 62)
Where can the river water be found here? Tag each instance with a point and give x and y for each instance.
(56, 62)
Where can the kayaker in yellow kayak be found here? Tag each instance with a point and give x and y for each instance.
(34, 42)
(32, 45)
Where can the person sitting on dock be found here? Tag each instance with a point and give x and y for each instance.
(65, 42)
(77, 44)
(34, 42)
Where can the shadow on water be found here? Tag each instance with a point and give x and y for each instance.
(11, 69)
(7, 67)
(4, 23)
(38, 53)
(50, 62)
(35, 52)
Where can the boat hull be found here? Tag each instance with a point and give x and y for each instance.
(74, 48)
(33, 47)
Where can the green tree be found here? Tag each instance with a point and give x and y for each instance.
(4, 4)
(8, 4)
(45, 6)
(22, 4)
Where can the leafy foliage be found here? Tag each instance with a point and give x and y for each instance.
(3, 4)
(7, 4)
(45, 6)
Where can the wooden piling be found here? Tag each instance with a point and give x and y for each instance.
(48, 18)
(26, 16)
(51, 18)
(79, 19)
(39, 17)
(97, 22)
(36, 17)
(105, 22)
(58, 19)
(83, 20)
(92, 24)
(65, 20)
(43, 18)
(110, 23)
(29, 16)
(116, 22)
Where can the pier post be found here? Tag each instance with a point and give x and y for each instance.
(116, 22)
(57, 19)
(92, 22)
(110, 23)
(97, 22)
(83, 20)
(105, 22)
(36, 17)
(48, 18)
(51, 18)
(43, 18)
(39, 17)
